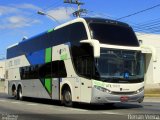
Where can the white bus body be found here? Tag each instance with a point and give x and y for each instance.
(76, 72)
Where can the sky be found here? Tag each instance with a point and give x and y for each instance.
(19, 18)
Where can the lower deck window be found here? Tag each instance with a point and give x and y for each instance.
(52, 69)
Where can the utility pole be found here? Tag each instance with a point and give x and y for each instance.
(79, 10)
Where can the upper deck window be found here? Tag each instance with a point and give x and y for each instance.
(113, 34)
(77, 32)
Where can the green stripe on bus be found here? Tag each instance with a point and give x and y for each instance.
(48, 81)
(64, 57)
(48, 85)
(50, 30)
(48, 55)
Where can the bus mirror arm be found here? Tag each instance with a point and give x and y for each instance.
(96, 46)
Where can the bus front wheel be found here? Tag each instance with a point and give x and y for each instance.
(67, 98)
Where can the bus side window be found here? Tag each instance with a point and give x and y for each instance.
(33, 74)
(84, 66)
(45, 70)
(58, 69)
(55, 69)
(22, 74)
(61, 69)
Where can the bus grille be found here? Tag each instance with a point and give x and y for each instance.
(123, 93)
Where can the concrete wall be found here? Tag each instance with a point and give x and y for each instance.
(2, 75)
(2, 69)
(152, 68)
(1, 86)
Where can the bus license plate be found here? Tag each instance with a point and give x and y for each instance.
(124, 98)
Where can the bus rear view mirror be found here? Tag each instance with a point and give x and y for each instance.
(96, 46)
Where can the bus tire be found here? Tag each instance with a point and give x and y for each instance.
(19, 93)
(109, 104)
(14, 93)
(67, 98)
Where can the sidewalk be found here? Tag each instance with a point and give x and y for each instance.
(153, 95)
(151, 99)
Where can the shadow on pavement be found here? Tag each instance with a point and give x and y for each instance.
(81, 105)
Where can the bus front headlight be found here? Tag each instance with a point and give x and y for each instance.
(102, 89)
(140, 90)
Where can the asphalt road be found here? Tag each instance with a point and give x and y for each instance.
(41, 109)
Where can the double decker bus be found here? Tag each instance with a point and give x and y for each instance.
(88, 60)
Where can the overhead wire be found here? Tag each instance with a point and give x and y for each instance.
(144, 10)
(149, 28)
(152, 26)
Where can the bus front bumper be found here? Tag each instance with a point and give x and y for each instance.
(102, 97)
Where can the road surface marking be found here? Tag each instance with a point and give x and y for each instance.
(74, 109)
(2, 100)
(15, 102)
(32, 104)
(114, 113)
(57, 109)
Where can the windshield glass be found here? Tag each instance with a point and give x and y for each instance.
(120, 66)
(113, 34)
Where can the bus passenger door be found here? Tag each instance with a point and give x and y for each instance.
(84, 69)
(85, 90)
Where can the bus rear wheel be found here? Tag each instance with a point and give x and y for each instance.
(67, 98)
(14, 93)
(19, 94)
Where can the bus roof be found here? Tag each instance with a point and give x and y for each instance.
(95, 19)
(86, 19)
(104, 20)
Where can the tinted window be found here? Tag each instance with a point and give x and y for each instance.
(74, 32)
(77, 32)
(58, 69)
(59, 36)
(84, 66)
(45, 70)
(62, 69)
(34, 72)
(53, 69)
(113, 34)
(82, 56)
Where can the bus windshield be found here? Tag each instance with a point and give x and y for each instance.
(113, 34)
(120, 66)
